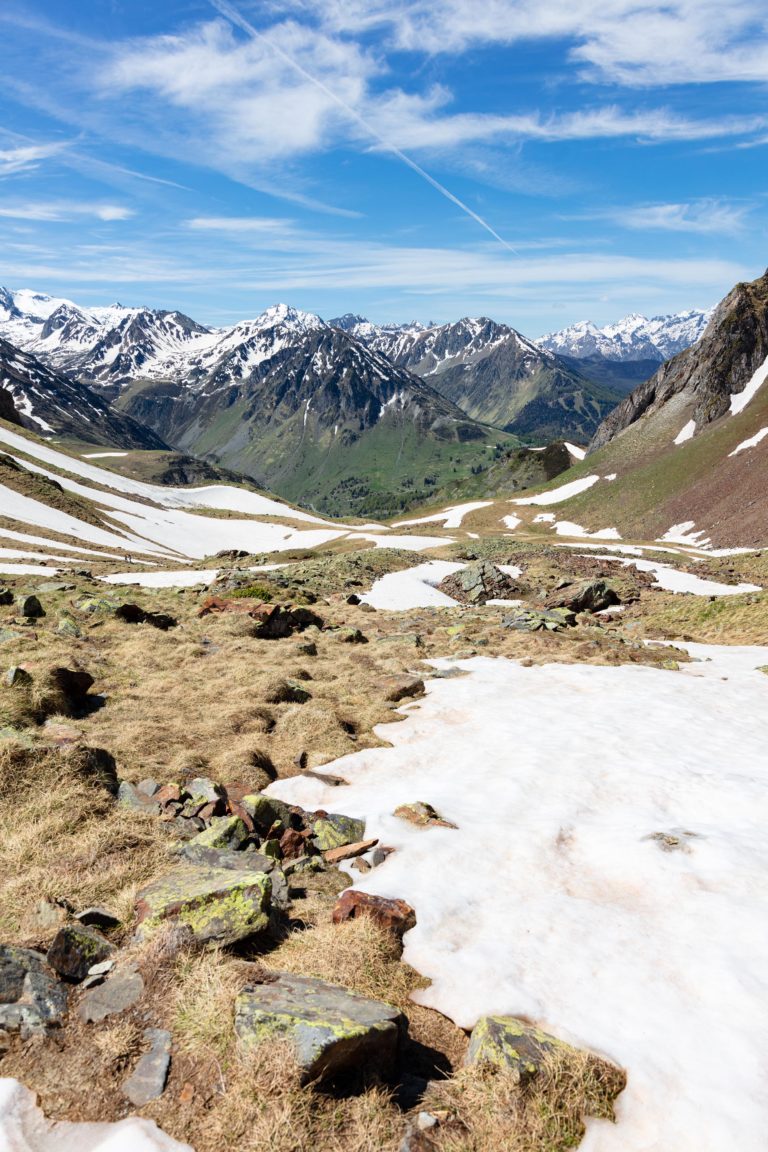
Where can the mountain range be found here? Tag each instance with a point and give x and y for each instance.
(345, 416)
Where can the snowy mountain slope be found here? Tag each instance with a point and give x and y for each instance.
(689, 447)
(51, 403)
(496, 375)
(634, 337)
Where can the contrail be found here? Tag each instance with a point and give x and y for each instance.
(230, 13)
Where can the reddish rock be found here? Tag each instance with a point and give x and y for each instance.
(398, 688)
(293, 844)
(169, 793)
(236, 809)
(395, 915)
(349, 851)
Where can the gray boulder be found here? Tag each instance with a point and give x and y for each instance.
(332, 1030)
(31, 998)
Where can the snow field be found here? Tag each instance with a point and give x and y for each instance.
(417, 587)
(673, 580)
(553, 901)
(564, 492)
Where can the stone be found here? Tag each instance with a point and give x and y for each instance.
(351, 636)
(17, 677)
(332, 1030)
(96, 606)
(533, 620)
(334, 831)
(9, 634)
(55, 586)
(585, 596)
(202, 791)
(75, 949)
(394, 915)
(221, 858)
(509, 1043)
(227, 832)
(6, 596)
(129, 796)
(67, 689)
(148, 1079)
(422, 814)
(214, 903)
(97, 917)
(45, 918)
(265, 811)
(349, 851)
(120, 991)
(416, 1140)
(398, 688)
(68, 626)
(478, 582)
(32, 999)
(30, 607)
(287, 692)
(306, 648)
(133, 614)
(149, 787)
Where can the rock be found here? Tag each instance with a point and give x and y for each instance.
(129, 796)
(6, 596)
(353, 599)
(349, 851)
(97, 917)
(17, 677)
(214, 903)
(394, 915)
(422, 814)
(67, 626)
(55, 586)
(306, 648)
(30, 607)
(220, 858)
(415, 1140)
(478, 582)
(533, 620)
(586, 596)
(65, 690)
(133, 614)
(334, 831)
(31, 998)
(223, 832)
(148, 1079)
(351, 636)
(201, 791)
(44, 919)
(97, 606)
(265, 811)
(9, 634)
(75, 949)
(149, 787)
(379, 854)
(121, 991)
(332, 1030)
(398, 688)
(509, 1043)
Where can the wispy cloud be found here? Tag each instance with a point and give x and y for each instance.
(706, 217)
(26, 157)
(59, 210)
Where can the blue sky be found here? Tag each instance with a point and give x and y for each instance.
(538, 161)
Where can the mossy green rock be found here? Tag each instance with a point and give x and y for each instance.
(265, 811)
(214, 903)
(67, 626)
(97, 606)
(509, 1043)
(333, 831)
(222, 832)
(332, 1030)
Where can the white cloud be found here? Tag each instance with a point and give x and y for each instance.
(707, 217)
(61, 210)
(634, 42)
(25, 157)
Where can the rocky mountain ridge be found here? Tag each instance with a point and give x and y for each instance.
(634, 337)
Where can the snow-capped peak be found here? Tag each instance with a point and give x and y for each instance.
(634, 337)
(283, 315)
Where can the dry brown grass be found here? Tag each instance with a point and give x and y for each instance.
(62, 838)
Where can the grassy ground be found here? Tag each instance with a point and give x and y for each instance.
(204, 698)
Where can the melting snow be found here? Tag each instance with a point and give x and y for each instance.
(101, 455)
(571, 914)
(575, 451)
(675, 581)
(686, 432)
(413, 587)
(511, 521)
(24, 1128)
(751, 443)
(565, 492)
(187, 578)
(739, 400)
(451, 517)
(568, 528)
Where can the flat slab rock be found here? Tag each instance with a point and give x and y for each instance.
(333, 1031)
(147, 1081)
(510, 1043)
(120, 991)
(31, 998)
(214, 903)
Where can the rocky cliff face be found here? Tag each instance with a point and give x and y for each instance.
(733, 347)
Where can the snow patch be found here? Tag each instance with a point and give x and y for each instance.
(686, 432)
(739, 400)
(565, 492)
(575, 451)
(751, 443)
(673, 580)
(451, 517)
(572, 914)
(511, 521)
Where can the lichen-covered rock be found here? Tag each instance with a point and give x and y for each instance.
(227, 832)
(31, 998)
(533, 620)
(330, 830)
(214, 903)
(265, 811)
(585, 596)
(75, 949)
(509, 1043)
(332, 1030)
(121, 991)
(479, 582)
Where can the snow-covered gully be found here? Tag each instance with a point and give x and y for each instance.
(607, 876)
